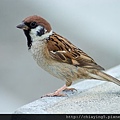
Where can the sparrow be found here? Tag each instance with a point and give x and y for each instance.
(58, 56)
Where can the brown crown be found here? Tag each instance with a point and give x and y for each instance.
(39, 20)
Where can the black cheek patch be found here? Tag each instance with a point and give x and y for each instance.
(40, 32)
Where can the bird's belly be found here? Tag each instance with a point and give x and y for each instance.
(62, 71)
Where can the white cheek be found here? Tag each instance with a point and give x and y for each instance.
(35, 37)
(33, 32)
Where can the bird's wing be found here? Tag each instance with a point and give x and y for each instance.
(60, 49)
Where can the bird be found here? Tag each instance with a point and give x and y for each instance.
(58, 56)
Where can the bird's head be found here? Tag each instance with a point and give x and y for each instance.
(35, 28)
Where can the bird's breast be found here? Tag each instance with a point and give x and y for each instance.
(39, 52)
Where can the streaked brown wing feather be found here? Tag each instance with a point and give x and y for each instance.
(60, 49)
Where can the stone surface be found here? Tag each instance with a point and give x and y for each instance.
(98, 97)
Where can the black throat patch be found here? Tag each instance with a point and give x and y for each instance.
(29, 40)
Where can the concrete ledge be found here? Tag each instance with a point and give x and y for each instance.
(92, 97)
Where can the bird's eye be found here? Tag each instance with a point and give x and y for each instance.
(33, 24)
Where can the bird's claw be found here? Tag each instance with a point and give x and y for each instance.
(70, 89)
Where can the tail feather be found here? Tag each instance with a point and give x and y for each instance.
(108, 77)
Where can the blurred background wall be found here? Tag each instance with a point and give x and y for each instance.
(92, 25)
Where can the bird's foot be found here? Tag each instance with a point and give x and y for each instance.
(58, 93)
(54, 94)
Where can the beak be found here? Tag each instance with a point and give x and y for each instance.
(22, 26)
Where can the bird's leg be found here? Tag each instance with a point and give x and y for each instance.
(68, 83)
(58, 92)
